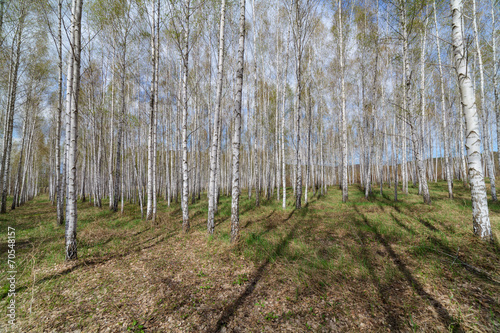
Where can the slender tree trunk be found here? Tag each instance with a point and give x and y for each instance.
(449, 178)
(406, 91)
(418, 140)
(496, 105)
(83, 173)
(235, 205)
(152, 122)
(155, 127)
(185, 185)
(121, 120)
(17, 189)
(308, 162)
(298, 95)
(2, 11)
(343, 114)
(276, 123)
(59, 185)
(215, 138)
(395, 153)
(9, 117)
(283, 156)
(111, 134)
(195, 159)
(483, 112)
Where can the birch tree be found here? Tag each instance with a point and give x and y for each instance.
(496, 102)
(480, 213)
(71, 218)
(443, 104)
(343, 120)
(11, 104)
(215, 137)
(59, 184)
(408, 108)
(283, 157)
(303, 22)
(235, 204)
(185, 62)
(151, 202)
(483, 111)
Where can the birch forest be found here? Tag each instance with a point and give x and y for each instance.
(242, 166)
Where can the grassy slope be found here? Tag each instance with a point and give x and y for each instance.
(366, 265)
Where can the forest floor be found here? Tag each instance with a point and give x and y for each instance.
(367, 265)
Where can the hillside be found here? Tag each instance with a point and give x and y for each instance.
(368, 265)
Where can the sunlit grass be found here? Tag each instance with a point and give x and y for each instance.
(375, 245)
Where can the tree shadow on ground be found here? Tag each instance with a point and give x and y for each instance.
(427, 224)
(93, 261)
(444, 251)
(410, 230)
(444, 315)
(250, 222)
(392, 317)
(454, 257)
(231, 309)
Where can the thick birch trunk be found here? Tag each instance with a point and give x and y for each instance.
(480, 213)
(71, 219)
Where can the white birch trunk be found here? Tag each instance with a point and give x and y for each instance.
(308, 154)
(185, 184)
(283, 156)
(480, 213)
(152, 121)
(215, 138)
(9, 117)
(449, 178)
(59, 186)
(406, 82)
(343, 114)
(235, 201)
(418, 140)
(71, 218)
(483, 112)
(496, 105)
(117, 180)
(298, 95)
